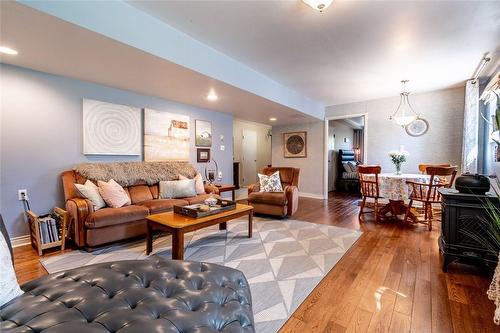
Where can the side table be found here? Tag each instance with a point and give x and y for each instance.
(226, 188)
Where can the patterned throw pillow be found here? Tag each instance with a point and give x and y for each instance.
(270, 183)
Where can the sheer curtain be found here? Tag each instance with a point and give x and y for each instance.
(471, 127)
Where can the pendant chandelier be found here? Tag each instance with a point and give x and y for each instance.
(404, 114)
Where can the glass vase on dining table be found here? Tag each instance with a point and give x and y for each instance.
(398, 169)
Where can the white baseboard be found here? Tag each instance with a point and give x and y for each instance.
(20, 241)
(311, 195)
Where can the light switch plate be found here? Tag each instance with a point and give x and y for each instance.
(222, 147)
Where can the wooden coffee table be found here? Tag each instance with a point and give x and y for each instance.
(178, 225)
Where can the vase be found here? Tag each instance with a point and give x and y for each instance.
(398, 168)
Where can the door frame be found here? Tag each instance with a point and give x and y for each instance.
(325, 145)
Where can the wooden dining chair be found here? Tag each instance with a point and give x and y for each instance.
(369, 187)
(423, 167)
(427, 193)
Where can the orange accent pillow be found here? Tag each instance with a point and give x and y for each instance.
(200, 187)
(113, 194)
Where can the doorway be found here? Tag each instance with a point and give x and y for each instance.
(249, 157)
(345, 147)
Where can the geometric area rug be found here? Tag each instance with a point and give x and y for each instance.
(283, 261)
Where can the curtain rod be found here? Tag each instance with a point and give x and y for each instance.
(480, 68)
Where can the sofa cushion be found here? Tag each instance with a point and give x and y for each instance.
(162, 205)
(110, 216)
(270, 198)
(199, 198)
(139, 193)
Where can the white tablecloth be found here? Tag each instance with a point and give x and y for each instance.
(394, 187)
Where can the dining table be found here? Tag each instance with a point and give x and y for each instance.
(394, 187)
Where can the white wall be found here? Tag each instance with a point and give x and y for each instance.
(311, 167)
(263, 144)
(341, 130)
(443, 109)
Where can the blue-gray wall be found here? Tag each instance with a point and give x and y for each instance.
(41, 135)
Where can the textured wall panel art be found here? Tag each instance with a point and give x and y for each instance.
(166, 136)
(111, 129)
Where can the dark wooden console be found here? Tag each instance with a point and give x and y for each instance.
(463, 212)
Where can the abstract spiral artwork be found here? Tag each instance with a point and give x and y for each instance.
(166, 136)
(111, 129)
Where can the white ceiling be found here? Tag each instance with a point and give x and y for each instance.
(48, 44)
(356, 50)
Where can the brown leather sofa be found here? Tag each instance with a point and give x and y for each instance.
(281, 204)
(94, 228)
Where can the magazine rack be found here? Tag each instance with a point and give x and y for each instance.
(35, 233)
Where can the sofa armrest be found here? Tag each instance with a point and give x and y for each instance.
(253, 188)
(78, 210)
(211, 189)
(292, 196)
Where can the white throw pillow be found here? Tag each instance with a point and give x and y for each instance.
(270, 183)
(90, 191)
(9, 288)
(200, 187)
(172, 189)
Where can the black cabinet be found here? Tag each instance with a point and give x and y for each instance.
(462, 213)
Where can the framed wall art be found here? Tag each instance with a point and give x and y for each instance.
(166, 136)
(202, 155)
(295, 144)
(203, 133)
(110, 129)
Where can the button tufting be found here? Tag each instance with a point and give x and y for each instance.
(177, 283)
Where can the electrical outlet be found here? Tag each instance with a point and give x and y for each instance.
(22, 195)
(222, 148)
(220, 175)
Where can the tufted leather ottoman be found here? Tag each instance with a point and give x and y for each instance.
(153, 295)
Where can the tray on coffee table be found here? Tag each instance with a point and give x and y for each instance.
(195, 212)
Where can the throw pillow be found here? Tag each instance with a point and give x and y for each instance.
(172, 189)
(9, 288)
(200, 187)
(90, 191)
(270, 183)
(113, 194)
(347, 167)
(353, 166)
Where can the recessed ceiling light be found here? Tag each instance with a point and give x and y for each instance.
(272, 119)
(212, 96)
(7, 50)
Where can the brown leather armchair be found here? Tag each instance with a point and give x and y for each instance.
(281, 204)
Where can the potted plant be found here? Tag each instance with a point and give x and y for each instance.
(491, 240)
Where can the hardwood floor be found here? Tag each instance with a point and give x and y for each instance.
(389, 281)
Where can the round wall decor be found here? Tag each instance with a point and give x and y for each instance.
(418, 127)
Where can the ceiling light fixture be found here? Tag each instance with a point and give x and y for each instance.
(7, 50)
(212, 96)
(273, 119)
(319, 5)
(404, 114)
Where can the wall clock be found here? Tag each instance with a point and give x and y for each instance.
(418, 127)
